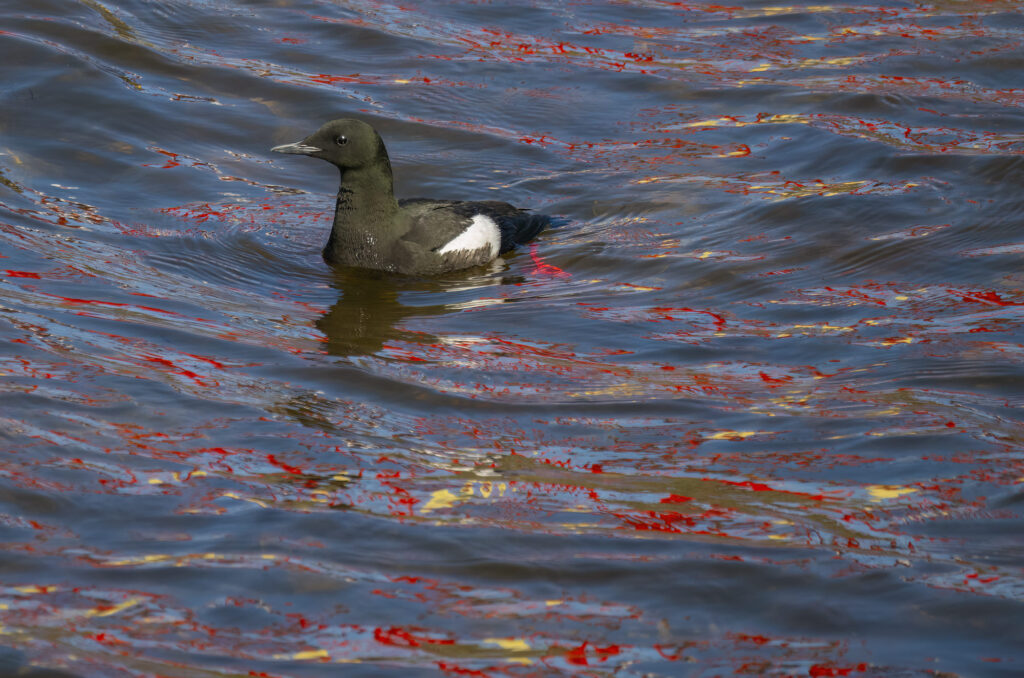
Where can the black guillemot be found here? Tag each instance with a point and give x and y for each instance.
(412, 236)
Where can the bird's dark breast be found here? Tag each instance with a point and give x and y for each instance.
(359, 249)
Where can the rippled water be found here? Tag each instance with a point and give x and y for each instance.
(755, 409)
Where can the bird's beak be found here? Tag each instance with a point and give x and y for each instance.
(298, 147)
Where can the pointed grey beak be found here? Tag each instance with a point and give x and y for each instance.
(298, 147)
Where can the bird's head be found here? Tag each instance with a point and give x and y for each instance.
(346, 143)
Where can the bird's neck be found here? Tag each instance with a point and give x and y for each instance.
(364, 217)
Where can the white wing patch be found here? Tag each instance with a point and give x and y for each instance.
(482, 232)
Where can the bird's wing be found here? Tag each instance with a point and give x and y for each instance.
(436, 222)
(433, 223)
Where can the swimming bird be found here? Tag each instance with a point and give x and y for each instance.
(416, 236)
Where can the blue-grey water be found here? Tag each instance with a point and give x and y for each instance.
(755, 409)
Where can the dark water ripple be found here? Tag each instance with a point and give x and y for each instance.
(755, 409)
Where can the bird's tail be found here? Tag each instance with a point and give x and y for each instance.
(525, 227)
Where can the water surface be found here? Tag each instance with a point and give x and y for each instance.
(756, 409)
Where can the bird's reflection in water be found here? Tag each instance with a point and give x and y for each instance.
(374, 310)
(373, 307)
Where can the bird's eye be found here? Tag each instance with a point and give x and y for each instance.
(340, 140)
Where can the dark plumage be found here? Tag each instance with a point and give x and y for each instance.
(416, 236)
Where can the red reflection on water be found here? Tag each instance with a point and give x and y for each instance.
(400, 637)
(821, 670)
